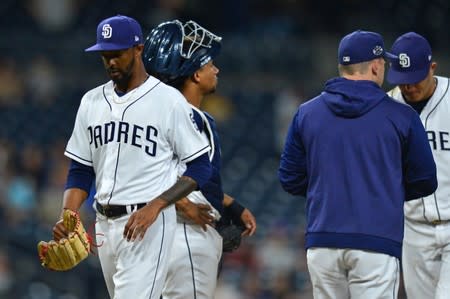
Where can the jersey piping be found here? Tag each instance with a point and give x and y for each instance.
(208, 132)
(190, 260)
(426, 127)
(160, 251)
(195, 153)
(74, 155)
(437, 104)
(123, 115)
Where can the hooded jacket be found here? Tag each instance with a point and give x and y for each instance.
(356, 154)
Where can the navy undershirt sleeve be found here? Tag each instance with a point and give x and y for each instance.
(80, 176)
(199, 170)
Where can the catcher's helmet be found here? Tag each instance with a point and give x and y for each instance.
(173, 50)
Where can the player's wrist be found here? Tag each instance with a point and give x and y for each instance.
(236, 208)
(159, 203)
(179, 190)
(227, 200)
(182, 204)
(61, 215)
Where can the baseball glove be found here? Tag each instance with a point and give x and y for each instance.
(66, 253)
(231, 236)
(230, 227)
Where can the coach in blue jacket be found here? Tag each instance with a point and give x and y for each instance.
(356, 155)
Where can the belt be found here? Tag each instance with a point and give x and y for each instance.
(113, 211)
(437, 222)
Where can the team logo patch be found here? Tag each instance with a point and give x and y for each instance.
(204, 60)
(193, 121)
(378, 50)
(404, 60)
(106, 31)
(346, 59)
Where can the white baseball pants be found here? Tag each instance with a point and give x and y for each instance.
(426, 260)
(193, 265)
(135, 269)
(349, 273)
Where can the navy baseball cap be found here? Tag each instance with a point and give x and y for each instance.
(414, 59)
(360, 46)
(117, 33)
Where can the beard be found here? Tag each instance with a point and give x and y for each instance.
(122, 77)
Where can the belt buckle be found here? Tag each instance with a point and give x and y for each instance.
(106, 210)
(436, 222)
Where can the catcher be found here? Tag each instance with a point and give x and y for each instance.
(181, 55)
(62, 254)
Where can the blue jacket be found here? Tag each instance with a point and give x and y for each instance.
(356, 155)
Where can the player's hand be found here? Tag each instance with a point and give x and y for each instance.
(250, 223)
(60, 231)
(141, 220)
(197, 212)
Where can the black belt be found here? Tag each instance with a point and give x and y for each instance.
(112, 211)
(438, 222)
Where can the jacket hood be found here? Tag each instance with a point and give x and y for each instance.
(349, 98)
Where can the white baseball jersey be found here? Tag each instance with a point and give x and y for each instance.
(197, 196)
(135, 144)
(136, 141)
(435, 117)
(426, 246)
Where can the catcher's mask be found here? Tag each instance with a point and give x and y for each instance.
(173, 50)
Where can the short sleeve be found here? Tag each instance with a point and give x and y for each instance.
(188, 142)
(78, 147)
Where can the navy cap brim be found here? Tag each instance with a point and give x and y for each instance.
(105, 47)
(390, 55)
(396, 77)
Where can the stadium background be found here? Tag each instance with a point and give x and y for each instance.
(276, 54)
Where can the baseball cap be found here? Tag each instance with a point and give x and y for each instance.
(117, 33)
(414, 59)
(360, 46)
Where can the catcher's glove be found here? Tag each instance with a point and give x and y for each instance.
(66, 253)
(231, 236)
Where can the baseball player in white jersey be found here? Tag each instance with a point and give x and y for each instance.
(182, 55)
(426, 245)
(131, 134)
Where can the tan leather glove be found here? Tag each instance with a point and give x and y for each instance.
(68, 252)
